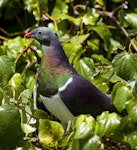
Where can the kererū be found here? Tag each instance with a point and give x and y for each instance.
(63, 91)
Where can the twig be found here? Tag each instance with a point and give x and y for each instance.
(35, 90)
(54, 21)
(20, 107)
(17, 33)
(11, 34)
(111, 15)
(3, 38)
(24, 50)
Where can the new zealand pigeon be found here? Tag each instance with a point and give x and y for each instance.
(63, 91)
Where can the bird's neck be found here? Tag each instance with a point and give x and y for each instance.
(55, 69)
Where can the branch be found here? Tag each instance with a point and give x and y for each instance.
(24, 50)
(111, 15)
(54, 21)
(35, 90)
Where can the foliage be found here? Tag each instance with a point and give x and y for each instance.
(99, 39)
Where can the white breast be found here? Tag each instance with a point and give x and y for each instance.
(57, 107)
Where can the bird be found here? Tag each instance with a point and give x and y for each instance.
(63, 91)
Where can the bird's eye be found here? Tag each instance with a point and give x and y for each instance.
(39, 32)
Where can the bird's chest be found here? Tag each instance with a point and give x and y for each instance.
(51, 78)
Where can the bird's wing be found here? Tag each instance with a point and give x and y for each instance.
(82, 97)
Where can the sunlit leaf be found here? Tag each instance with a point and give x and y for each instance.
(50, 132)
(85, 67)
(107, 123)
(16, 80)
(73, 51)
(78, 39)
(7, 69)
(120, 95)
(131, 107)
(91, 17)
(132, 139)
(94, 44)
(27, 128)
(84, 127)
(131, 18)
(104, 33)
(125, 65)
(93, 142)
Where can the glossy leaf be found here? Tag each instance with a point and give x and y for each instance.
(49, 132)
(40, 114)
(84, 127)
(59, 8)
(120, 96)
(104, 33)
(78, 39)
(91, 17)
(73, 51)
(27, 128)
(16, 80)
(132, 139)
(7, 69)
(125, 65)
(132, 109)
(132, 19)
(10, 127)
(107, 123)
(93, 142)
(85, 67)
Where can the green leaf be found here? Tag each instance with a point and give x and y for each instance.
(25, 96)
(78, 39)
(16, 80)
(73, 51)
(40, 114)
(85, 67)
(104, 33)
(94, 44)
(100, 59)
(107, 123)
(101, 83)
(27, 128)
(7, 69)
(132, 139)
(84, 127)
(117, 1)
(10, 127)
(114, 45)
(33, 6)
(100, 2)
(15, 46)
(131, 18)
(111, 76)
(93, 142)
(120, 95)
(91, 17)
(59, 8)
(50, 132)
(131, 108)
(125, 65)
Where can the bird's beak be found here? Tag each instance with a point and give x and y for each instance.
(28, 35)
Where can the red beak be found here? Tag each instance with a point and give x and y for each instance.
(28, 35)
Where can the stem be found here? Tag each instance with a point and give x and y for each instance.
(54, 21)
(111, 15)
(35, 90)
(24, 50)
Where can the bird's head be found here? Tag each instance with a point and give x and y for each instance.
(41, 34)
